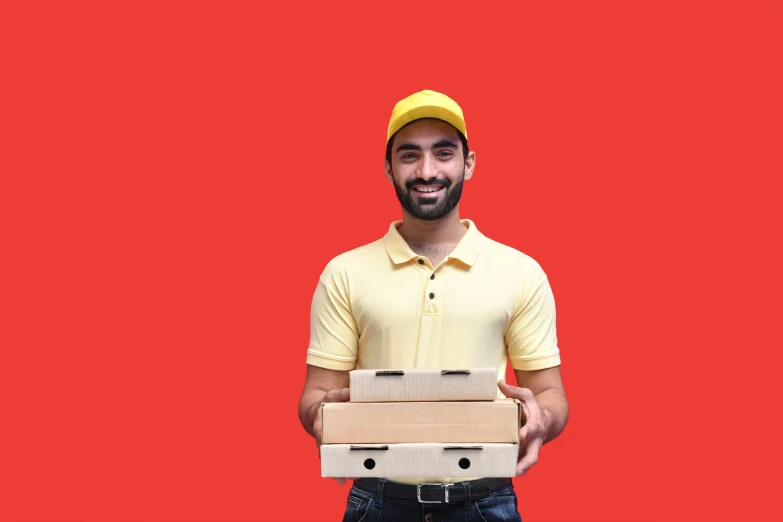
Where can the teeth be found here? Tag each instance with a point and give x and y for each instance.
(426, 189)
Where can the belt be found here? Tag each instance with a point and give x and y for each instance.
(434, 493)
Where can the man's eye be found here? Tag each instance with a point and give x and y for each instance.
(446, 153)
(408, 156)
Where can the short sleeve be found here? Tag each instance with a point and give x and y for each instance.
(532, 333)
(333, 331)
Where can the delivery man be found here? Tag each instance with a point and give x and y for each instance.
(434, 292)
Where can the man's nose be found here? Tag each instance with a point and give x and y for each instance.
(429, 167)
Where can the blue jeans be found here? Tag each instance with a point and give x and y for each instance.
(366, 506)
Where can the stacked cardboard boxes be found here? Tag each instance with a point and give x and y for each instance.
(421, 423)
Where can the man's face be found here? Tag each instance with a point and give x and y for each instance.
(428, 168)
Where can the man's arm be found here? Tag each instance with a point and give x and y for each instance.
(547, 387)
(321, 385)
(545, 409)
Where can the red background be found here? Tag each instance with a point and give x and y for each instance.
(158, 167)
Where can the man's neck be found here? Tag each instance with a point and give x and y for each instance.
(448, 230)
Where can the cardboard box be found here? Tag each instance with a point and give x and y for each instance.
(419, 460)
(421, 385)
(395, 422)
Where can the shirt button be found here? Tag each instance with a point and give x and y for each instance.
(432, 296)
(432, 276)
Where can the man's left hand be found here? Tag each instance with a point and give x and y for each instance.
(532, 434)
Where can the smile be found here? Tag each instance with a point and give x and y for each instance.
(428, 189)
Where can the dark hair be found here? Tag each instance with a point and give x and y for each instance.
(462, 138)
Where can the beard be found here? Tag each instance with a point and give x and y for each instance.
(429, 208)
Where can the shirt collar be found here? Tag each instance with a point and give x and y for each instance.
(467, 249)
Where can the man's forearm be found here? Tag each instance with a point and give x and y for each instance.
(308, 407)
(555, 406)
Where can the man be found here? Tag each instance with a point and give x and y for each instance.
(434, 292)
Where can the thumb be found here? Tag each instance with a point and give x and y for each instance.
(344, 394)
(516, 392)
(507, 389)
(340, 395)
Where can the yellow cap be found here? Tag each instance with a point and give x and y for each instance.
(426, 104)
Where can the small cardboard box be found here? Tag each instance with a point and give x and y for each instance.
(421, 385)
(419, 460)
(395, 422)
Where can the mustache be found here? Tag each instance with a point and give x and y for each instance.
(442, 182)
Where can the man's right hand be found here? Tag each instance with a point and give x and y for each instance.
(341, 395)
(321, 385)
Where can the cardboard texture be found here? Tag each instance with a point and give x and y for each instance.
(421, 423)
(421, 385)
(394, 422)
(419, 460)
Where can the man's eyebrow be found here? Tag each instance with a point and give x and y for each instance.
(408, 146)
(437, 145)
(444, 143)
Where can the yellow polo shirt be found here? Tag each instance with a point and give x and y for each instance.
(382, 306)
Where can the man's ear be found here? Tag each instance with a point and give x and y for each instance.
(470, 164)
(388, 170)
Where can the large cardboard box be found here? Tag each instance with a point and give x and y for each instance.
(419, 460)
(394, 422)
(412, 385)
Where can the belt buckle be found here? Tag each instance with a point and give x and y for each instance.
(445, 490)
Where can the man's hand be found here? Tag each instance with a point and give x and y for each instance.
(321, 385)
(535, 423)
(342, 395)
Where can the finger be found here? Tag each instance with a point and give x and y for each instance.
(515, 391)
(340, 480)
(342, 395)
(317, 431)
(531, 415)
(507, 389)
(531, 457)
(531, 422)
(532, 429)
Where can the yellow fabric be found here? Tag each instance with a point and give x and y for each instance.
(490, 303)
(426, 104)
